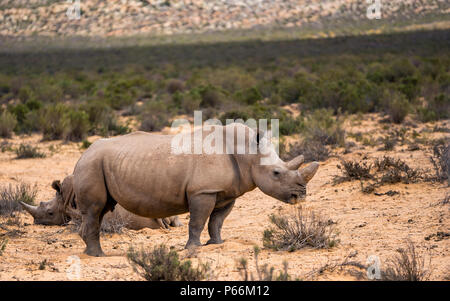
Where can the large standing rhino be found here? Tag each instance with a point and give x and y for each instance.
(62, 209)
(141, 172)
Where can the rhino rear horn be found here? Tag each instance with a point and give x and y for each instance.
(296, 162)
(309, 171)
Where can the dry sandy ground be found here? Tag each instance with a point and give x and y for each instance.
(367, 224)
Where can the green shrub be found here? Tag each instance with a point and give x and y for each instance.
(85, 144)
(120, 93)
(234, 115)
(48, 92)
(24, 114)
(175, 85)
(31, 122)
(77, 125)
(248, 96)
(20, 111)
(154, 117)
(53, 122)
(25, 151)
(397, 107)
(186, 102)
(293, 89)
(435, 109)
(210, 97)
(33, 104)
(289, 125)
(7, 124)
(101, 117)
(25, 93)
(323, 127)
(162, 264)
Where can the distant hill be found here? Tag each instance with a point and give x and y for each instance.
(20, 18)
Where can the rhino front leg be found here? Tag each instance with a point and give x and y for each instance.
(216, 221)
(200, 208)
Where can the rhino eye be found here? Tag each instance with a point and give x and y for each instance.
(50, 212)
(276, 173)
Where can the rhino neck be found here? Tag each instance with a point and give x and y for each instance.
(243, 165)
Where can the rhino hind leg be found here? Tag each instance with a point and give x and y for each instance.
(90, 233)
(94, 203)
(216, 221)
(200, 208)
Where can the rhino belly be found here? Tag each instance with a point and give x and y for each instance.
(148, 185)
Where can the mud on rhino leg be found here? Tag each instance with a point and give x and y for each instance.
(200, 208)
(216, 221)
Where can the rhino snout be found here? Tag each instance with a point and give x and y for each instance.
(295, 198)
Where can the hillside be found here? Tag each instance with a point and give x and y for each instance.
(155, 17)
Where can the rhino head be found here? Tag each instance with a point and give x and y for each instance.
(285, 181)
(55, 211)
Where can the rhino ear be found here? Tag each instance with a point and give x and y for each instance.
(57, 186)
(296, 162)
(309, 171)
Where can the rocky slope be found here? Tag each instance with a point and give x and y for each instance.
(133, 17)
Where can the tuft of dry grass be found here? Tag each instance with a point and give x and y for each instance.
(407, 265)
(163, 264)
(3, 243)
(113, 224)
(264, 272)
(353, 170)
(311, 150)
(441, 161)
(396, 171)
(25, 151)
(301, 230)
(10, 197)
(386, 170)
(359, 270)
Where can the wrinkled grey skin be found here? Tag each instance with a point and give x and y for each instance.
(62, 209)
(139, 172)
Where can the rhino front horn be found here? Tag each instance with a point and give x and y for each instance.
(309, 171)
(30, 209)
(296, 162)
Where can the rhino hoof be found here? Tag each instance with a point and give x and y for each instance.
(214, 242)
(192, 245)
(95, 253)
